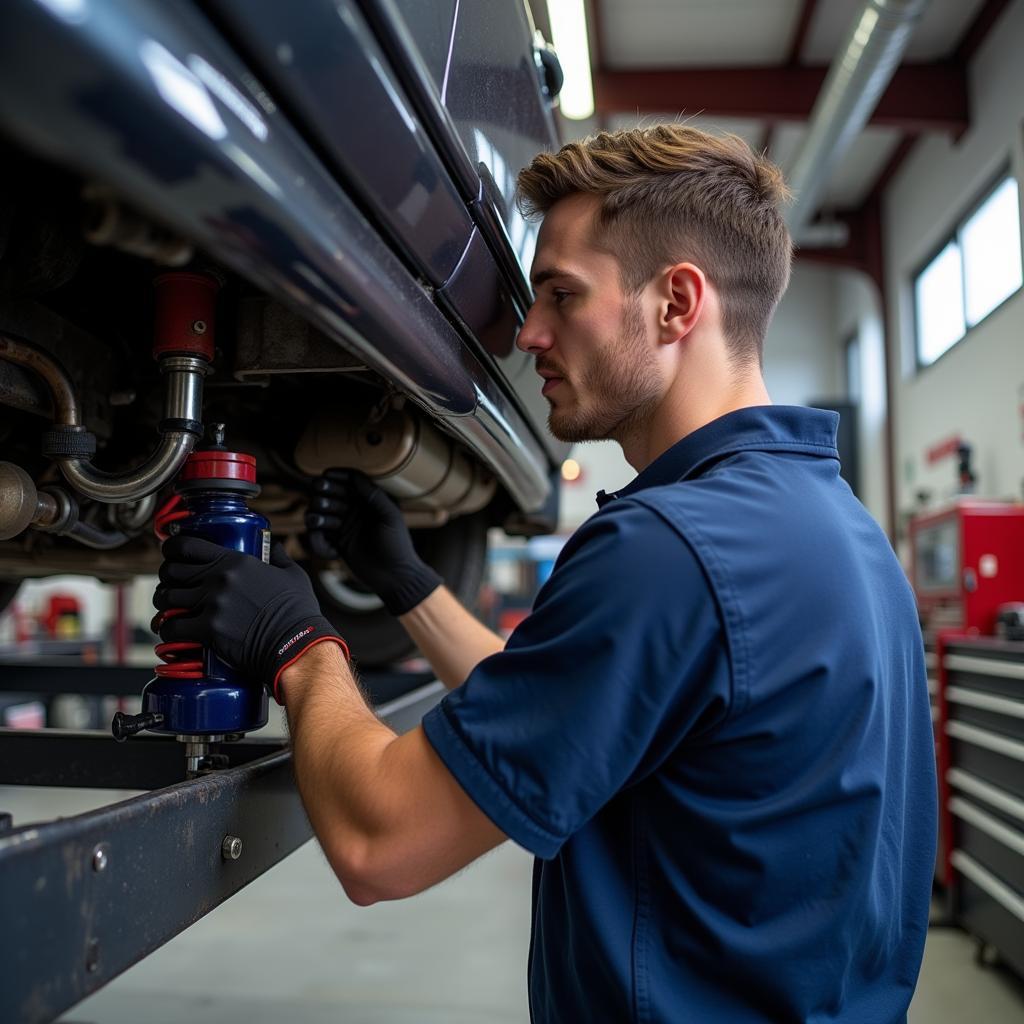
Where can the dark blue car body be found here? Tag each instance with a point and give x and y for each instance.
(350, 162)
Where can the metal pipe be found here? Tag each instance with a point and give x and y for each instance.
(44, 366)
(183, 404)
(133, 516)
(95, 538)
(860, 73)
(151, 475)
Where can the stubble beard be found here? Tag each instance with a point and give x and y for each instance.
(622, 388)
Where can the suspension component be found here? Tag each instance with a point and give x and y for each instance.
(194, 695)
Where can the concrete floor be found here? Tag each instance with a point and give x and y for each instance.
(291, 948)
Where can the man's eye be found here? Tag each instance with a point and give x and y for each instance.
(560, 295)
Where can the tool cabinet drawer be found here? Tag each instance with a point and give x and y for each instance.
(998, 675)
(991, 838)
(987, 754)
(982, 703)
(986, 907)
(984, 727)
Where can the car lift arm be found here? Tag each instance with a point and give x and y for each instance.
(86, 897)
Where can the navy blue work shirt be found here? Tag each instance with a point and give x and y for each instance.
(713, 731)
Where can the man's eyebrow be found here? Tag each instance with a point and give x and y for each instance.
(538, 277)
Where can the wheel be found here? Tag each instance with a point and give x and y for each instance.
(8, 589)
(456, 550)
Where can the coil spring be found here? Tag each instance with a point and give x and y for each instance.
(178, 656)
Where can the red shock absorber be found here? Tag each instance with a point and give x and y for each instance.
(184, 322)
(179, 657)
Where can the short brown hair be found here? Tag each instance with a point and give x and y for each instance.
(672, 192)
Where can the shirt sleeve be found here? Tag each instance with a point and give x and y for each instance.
(622, 659)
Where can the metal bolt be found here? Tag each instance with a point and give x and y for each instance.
(231, 848)
(198, 326)
(99, 859)
(92, 956)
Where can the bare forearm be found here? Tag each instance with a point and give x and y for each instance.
(450, 638)
(390, 818)
(337, 745)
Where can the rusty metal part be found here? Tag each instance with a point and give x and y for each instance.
(50, 509)
(183, 402)
(407, 457)
(21, 504)
(163, 866)
(64, 919)
(44, 366)
(20, 390)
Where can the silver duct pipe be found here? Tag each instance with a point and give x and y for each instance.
(869, 56)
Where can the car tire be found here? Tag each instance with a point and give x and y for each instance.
(457, 551)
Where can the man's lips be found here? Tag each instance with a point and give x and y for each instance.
(552, 378)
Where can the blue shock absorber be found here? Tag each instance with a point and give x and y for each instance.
(194, 693)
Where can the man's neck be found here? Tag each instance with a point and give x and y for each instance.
(681, 412)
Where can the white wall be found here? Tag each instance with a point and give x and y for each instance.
(604, 469)
(858, 312)
(801, 355)
(975, 390)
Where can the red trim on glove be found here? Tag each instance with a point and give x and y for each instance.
(319, 640)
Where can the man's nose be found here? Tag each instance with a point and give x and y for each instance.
(534, 336)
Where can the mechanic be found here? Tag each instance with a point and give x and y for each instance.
(713, 730)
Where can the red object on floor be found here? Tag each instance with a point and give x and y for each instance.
(62, 616)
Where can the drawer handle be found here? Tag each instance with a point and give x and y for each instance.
(985, 701)
(984, 666)
(985, 791)
(986, 739)
(985, 880)
(1009, 837)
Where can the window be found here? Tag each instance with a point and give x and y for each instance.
(974, 272)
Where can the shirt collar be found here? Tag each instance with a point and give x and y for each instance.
(777, 428)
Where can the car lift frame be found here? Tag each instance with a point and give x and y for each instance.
(84, 898)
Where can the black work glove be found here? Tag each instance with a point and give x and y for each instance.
(259, 618)
(352, 519)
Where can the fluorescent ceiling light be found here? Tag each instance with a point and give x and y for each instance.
(569, 31)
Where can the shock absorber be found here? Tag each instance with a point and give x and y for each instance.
(194, 695)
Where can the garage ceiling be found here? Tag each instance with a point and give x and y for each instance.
(754, 67)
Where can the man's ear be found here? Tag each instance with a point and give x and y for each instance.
(682, 294)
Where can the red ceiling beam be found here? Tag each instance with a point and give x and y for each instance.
(920, 97)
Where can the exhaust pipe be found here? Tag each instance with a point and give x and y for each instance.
(52, 509)
(183, 346)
